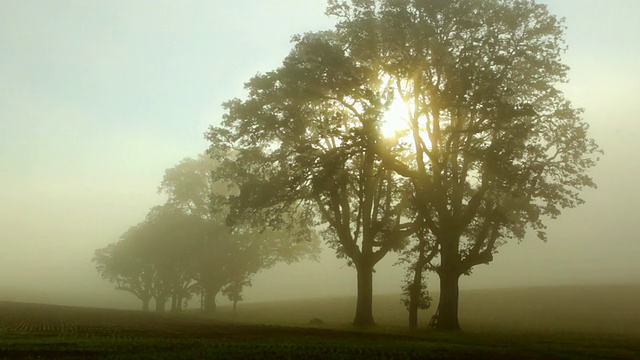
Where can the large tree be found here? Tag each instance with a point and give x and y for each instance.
(492, 147)
(496, 148)
(301, 147)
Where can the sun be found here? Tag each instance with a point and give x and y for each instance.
(395, 125)
(395, 122)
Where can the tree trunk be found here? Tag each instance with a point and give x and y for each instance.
(413, 314)
(210, 299)
(202, 298)
(145, 304)
(179, 308)
(364, 304)
(210, 303)
(211, 286)
(416, 287)
(161, 302)
(414, 298)
(235, 308)
(174, 301)
(448, 305)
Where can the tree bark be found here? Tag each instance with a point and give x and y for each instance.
(415, 288)
(202, 298)
(364, 303)
(145, 304)
(174, 301)
(414, 298)
(448, 305)
(180, 303)
(413, 314)
(161, 302)
(210, 302)
(210, 298)
(235, 309)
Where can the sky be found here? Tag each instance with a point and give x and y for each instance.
(98, 98)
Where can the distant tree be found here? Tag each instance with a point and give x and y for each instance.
(228, 257)
(417, 257)
(233, 290)
(189, 186)
(170, 239)
(121, 264)
(153, 258)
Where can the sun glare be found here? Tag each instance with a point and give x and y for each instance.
(395, 124)
(395, 121)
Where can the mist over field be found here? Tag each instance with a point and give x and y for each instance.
(98, 99)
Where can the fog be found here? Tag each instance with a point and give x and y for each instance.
(97, 99)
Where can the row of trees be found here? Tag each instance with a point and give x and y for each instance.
(490, 146)
(183, 248)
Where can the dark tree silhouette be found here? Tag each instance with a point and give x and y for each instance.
(183, 246)
(302, 148)
(496, 147)
(119, 264)
(417, 256)
(491, 147)
(170, 238)
(152, 259)
(228, 258)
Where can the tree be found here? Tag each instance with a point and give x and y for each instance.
(170, 238)
(183, 245)
(128, 269)
(302, 148)
(189, 186)
(492, 146)
(496, 148)
(233, 289)
(228, 258)
(152, 259)
(418, 256)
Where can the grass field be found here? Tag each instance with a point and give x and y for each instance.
(613, 310)
(537, 323)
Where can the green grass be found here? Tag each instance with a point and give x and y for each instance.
(535, 323)
(330, 345)
(571, 309)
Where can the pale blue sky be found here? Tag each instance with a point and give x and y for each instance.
(98, 98)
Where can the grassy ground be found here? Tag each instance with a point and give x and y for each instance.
(266, 331)
(606, 310)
